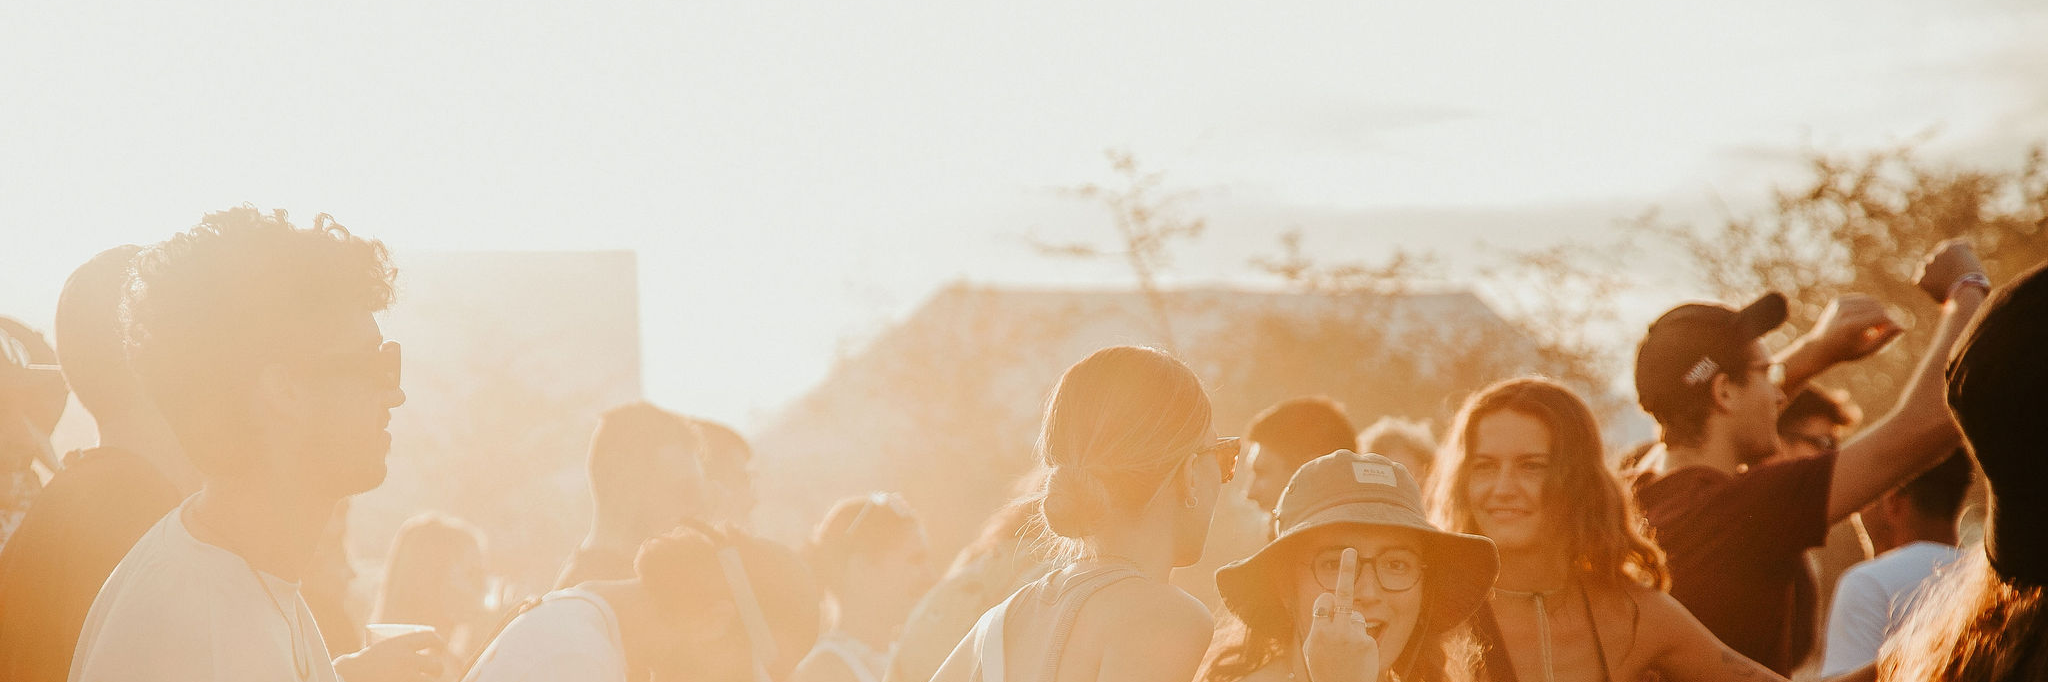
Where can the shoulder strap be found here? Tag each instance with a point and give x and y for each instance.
(988, 641)
(1493, 652)
(1071, 601)
(1593, 621)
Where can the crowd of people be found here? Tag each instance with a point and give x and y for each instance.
(242, 390)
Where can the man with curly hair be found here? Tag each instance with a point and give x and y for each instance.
(256, 341)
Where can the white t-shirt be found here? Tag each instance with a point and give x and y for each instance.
(180, 610)
(1873, 600)
(571, 636)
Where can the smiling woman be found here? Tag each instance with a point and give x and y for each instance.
(1581, 591)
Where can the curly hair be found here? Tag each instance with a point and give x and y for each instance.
(208, 307)
(1583, 499)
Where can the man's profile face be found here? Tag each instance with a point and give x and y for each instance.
(1755, 405)
(1270, 473)
(339, 410)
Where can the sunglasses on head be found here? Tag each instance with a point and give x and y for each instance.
(1226, 451)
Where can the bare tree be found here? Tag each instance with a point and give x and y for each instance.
(1147, 219)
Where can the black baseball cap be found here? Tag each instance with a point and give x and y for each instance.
(1686, 347)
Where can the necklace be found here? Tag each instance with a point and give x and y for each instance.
(300, 665)
(1542, 626)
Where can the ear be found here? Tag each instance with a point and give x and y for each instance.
(1722, 390)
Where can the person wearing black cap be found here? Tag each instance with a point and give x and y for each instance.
(1992, 625)
(1359, 586)
(1735, 527)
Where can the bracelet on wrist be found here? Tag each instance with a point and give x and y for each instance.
(1975, 279)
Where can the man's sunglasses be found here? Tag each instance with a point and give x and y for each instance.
(1226, 451)
(381, 366)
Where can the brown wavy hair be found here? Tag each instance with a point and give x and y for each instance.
(1435, 653)
(1583, 500)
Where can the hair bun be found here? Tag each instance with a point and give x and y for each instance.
(1074, 502)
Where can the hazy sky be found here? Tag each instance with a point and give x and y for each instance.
(794, 176)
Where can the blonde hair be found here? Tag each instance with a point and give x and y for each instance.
(1973, 626)
(1118, 424)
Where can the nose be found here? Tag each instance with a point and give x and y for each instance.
(394, 397)
(1366, 590)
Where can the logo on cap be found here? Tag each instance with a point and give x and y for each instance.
(1373, 472)
(1701, 372)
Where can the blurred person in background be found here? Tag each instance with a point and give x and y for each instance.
(1406, 441)
(871, 558)
(1735, 527)
(32, 399)
(434, 575)
(1581, 590)
(1136, 467)
(1008, 554)
(1993, 622)
(258, 343)
(104, 497)
(646, 476)
(704, 605)
(728, 469)
(1813, 422)
(1358, 587)
(1915, 531)
(1288, 435)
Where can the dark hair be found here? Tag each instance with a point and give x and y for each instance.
(90, 342)
(210, 306)
(1435, 653)
(1818, 402)
(1302, 429)
(1583, 500)
(628, 444)
(1939, 492)
(681, 571)
(837, 540)
(1682, 414)
(1118, 425)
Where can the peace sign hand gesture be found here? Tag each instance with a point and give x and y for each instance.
(1337, 648)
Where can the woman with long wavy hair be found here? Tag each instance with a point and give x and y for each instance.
(1581, 595)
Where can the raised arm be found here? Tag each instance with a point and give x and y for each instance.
(1919, 431)
(1851, 328)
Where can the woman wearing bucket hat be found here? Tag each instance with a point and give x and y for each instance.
(1581, 590)
(1358, 585)
(1134, 470)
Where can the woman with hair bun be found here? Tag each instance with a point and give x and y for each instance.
(870, 556)
(1135, 465)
